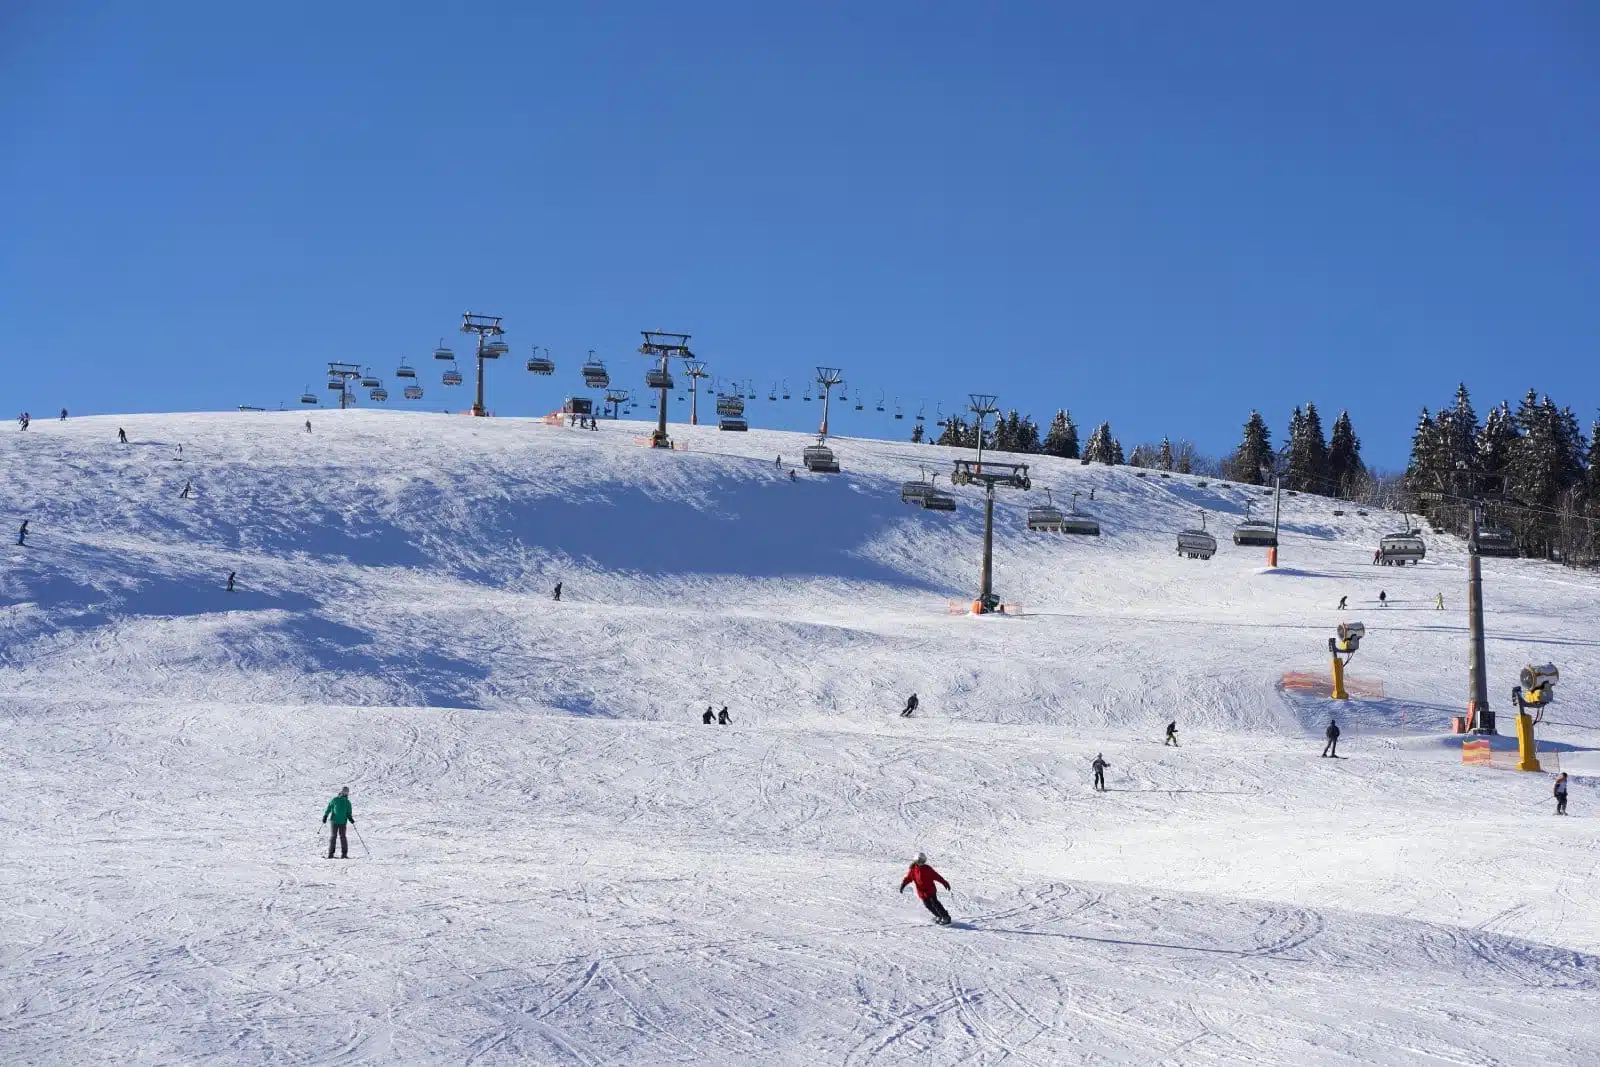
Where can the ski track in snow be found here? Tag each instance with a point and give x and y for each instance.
(567, 867)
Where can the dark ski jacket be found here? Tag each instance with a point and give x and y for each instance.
(923, 877)
(1099, 765)
(1561, 787)
(1172, 729)
(1332, 731)
(339, 810)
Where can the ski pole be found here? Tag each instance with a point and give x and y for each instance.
(363, 841)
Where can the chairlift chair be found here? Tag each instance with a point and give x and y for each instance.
(772, 394)
(1046, 517)
(308, 397)
(1079, 522)
(938, 415)
(370, 380)
(732, 423)
(913, 492)
(730, 406)
(380, 394)
(1197, 544)
(1398, 549)
(336, 385)
(404, 370)
(595, 375)
(495, 349)
(452, 376)
(656, 378)
(1255, 533)
(921, 409)
(442, 352)
(577, 405)
(937, 499)
(897, 412)
(413, 391)
(1496, 541)
(541, 364)
(819, 459)
(786, 389)
(880, 399)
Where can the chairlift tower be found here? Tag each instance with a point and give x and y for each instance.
(1011, 475)
(614, 400)
(827, 377)
(662, 346)
(344, 374)
(695, 369)
(1480, 716)
(489, 331)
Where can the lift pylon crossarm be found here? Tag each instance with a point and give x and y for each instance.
(1010, 475)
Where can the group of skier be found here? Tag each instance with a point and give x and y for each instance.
(721, 717)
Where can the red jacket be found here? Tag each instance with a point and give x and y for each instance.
(924, 876)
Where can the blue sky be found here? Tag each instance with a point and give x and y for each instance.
(1154, 213)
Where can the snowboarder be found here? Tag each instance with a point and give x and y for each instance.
(185, 494)
(779, 461)
(338, 810)
(231, 576)
(1438, 602)
(1342, 602)
(593, 425)
(1099, 766)
(722, 716)
(792, 476)
(1332, 734)
(122, 435)
(22, 534)
(63, 414)
(1172, 735)
(308, 426)
(557, 593)
(1561, 793)
(1383, 599)
(927, 881)
(910, 708)
(709, 717)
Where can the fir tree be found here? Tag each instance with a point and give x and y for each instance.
(1116, 453)
(1308, 453)
(1028, 436)
(1254, 452)
(1497, 443)
(1427, 462)
(1138, 458)
(1345, 469)
(1594, 467)
(1101, 446)
(955, 432)
(1164, 456)
(1062, 440)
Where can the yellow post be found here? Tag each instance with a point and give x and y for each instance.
(1338, 680)
(1529, 758)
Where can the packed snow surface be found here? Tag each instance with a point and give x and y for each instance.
(558, 863)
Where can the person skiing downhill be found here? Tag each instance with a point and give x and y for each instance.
(557, 595)
(927, 880)
(1099, 766)
(63, 414)
(1342, 601)
(1561, 793)
(122, 435)
(709, 717)
(910, 708)
(1332, 734)
(231, 576)
(22, 534)
(1172, 735)
(339, 811)
(722, 716)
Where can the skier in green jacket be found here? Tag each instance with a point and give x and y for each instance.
(339, 811)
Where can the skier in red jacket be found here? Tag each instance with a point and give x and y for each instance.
(925, 878)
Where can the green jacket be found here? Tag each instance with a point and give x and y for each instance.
(339, 809)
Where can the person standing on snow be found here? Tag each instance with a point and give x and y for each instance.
(1332, 734)
(1438, 602)
(186, 487)
(1561, 793)
(557, 594)
(122, 435)
(910, 708)
(927, 881)
(1383, 599)
(1341, 602)
(63, 414)
(22, 534)
(1099, 766)
(231, 576)
(709, 717)
(338, 810)
(308, 426)
(1172, 735)
(722, 716)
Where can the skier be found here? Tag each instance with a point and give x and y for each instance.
(338, 810)
(779, 461)
(1099, 766)
(1383, 599)
(1172, 735)
(792, 477)
(708, 717)
(185, 494)
(1332, 734)
(1438, 602)
(1377, 554)
(122, 435)
(231, 576)
(63, 414)
(1341, 602)
(308, 426)
(557, 593)
(593, 425)
(927, 881)
(1561, 793)
(22, 534)
(910, 708)
(722, 716)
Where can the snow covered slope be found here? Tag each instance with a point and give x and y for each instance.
(567, 866)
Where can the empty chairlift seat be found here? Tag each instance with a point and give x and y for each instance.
(732, 422)
(1047, 518)
(1496, 541)
(443, 353)
(370, 381)
(495, 349)
(1255, 533)
(938, 500)
(1398, 549)
(405, 371)
(913, 492)
(1196, 544)
(819, 459)
(308, 397)
(656, 378)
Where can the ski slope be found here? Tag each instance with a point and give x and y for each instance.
(558, 863)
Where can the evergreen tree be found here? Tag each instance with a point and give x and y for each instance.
(1028, 436)
(1497, 443)
(1062, 440)
(1116, 452)
(1546, 465)
(1164, 457)
(1254, 452)
(916, 434)
(955, 432)
(1138, 458)
(1308, 453)
(1594, 467)
(1346, 472)
(1424, 470)
(1460, 435)
(1101, 446)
